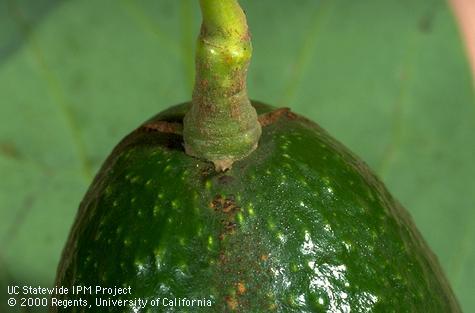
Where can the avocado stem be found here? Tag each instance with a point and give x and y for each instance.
(221, 125)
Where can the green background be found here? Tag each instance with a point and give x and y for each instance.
(388, 78)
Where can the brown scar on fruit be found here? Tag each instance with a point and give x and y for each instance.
(272, 117)
(232, 302)
(264, 257)
(241, 288)
(163, 127)
(224, 205)
(217, 202)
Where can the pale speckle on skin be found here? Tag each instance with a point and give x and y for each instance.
(271, 224)
(115, 203)
(374, 234)
(240, 217)
(184, 175)
(183, 267)
(287, 166)
(149, 182)
(210, 243)
(208, 185)
(250, 209)
(285, 155)
(160, 196)
(133, 200)
(156, 210)
(175, 203)
(295, 268)
(127, 242)
(182, 241)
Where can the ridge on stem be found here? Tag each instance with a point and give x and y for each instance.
(221, 125)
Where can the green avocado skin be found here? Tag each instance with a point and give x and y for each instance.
(300, 225)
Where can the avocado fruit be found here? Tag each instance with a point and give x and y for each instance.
(300, 225)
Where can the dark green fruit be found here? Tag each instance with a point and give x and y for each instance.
(300, 225)
(295, 224)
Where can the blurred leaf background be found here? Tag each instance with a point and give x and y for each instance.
(388, 78)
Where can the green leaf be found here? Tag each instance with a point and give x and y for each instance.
(387, 78)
